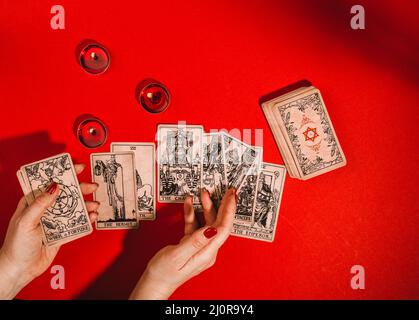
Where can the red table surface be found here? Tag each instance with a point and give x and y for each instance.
(218, 58)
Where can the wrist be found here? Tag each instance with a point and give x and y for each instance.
(149, 288)
(11, 278)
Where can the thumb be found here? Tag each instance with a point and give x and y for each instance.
(34, 212)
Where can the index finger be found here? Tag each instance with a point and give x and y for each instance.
(191, 222)
(227, 210)
(224, 222)
(79, 167)
(193, 244)
(223, 226)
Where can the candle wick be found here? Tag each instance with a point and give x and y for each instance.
(94, 55)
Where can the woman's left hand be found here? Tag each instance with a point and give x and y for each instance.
(23, 256)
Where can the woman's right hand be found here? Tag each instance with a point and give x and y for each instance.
(197, 251)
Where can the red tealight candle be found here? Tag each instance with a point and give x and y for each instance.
(91, 132)
(94, 58)
(153, 96)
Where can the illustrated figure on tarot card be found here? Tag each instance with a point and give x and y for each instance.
(246, 196)
(179, 146)
(144, 194)
(112, 171)
(265, 201)
(180, 165)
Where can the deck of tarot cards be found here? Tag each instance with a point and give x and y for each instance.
(304, 133)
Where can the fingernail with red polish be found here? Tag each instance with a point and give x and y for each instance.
(210, 232)
(51, 188)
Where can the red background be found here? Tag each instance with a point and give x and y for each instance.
(217, 59)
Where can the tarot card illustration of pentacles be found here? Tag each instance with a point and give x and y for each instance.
(67, 219)
(117, 191)
(179, 162)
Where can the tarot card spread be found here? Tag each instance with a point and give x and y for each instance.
(239, 157)
(179, 162)
(117, 192)
(213, 168)
(270, 184)
(144, 172)
(67, 219)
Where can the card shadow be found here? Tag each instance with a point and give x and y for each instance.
(15, 152)
(120, 278)
(283, 90)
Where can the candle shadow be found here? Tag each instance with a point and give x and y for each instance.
(15, 152)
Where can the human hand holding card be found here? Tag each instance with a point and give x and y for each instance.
(67, 218)
(25, 253)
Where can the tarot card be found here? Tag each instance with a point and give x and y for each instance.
(67, 219)
(144, 154)
(289, 157)
(239, 157)
(267, 201)
(309, 133)
(246, 197)
(213, 167)
(117, 191)
(179, 161)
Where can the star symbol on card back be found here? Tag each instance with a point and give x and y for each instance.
(310, 134)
